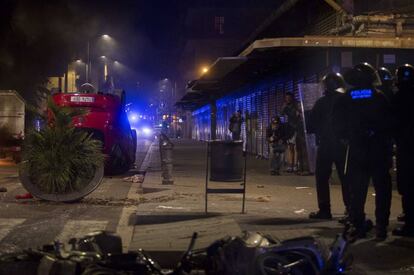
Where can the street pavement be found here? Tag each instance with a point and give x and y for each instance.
(32, 223)
(161, 218)
(276, 205)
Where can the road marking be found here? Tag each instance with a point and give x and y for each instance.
(124, 229)
(80, 228)
(7, 225)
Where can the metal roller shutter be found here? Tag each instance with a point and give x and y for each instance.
(260, 115)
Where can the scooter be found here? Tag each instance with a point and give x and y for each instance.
(255, 253)
(252, 253)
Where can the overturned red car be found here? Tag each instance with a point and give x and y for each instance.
(107, 121)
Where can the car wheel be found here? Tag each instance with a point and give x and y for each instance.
(118, 161)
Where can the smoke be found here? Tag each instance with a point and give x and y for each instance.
(38, 40)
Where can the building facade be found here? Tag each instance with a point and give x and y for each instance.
(274, 67)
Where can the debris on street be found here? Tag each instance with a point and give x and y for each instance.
(301, 187)
(263, 199)
(24, 196)
(137, 178)
(300, 211)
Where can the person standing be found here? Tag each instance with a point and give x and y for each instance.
(363, 121)
(405, 146)
(292, 112)
(387, 83)
(330, 150)
(236, 121)
(277, 134)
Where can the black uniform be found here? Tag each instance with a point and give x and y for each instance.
(330, 151)
(364, 121)
(405, 146)
(387, 83)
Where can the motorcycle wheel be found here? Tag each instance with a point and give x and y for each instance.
(274, 264)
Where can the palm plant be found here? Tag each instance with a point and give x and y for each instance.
(60, 158)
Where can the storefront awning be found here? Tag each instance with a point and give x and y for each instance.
(220, 68)
(192, 99)
(329, 42)
(263, 56)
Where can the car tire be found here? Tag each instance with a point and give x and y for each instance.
(119, 162)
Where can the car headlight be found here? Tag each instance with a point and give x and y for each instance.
(146, 131)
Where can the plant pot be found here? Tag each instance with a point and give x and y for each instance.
(59, 197)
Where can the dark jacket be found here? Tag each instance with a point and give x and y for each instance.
(292, 112)
(235, 123)
(403, 110)
(280, 135)
(321, 118)
(359, 117)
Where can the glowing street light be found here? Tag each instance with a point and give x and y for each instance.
(88, 61)
(78, 61)
(103, 56)
(204, 70)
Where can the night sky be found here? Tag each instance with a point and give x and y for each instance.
(38, 39)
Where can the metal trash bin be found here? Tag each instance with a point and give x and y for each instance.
(227, 161)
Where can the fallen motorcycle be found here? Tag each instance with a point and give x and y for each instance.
(253, 253)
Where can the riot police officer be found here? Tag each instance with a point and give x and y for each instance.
(405, 147)
(364, 122)
(387, 82)
(330, 150)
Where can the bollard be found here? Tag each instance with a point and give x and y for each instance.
(166, 147)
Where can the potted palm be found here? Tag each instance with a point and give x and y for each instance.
(60, 162)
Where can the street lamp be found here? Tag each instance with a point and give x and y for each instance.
(105, 67)
(88, 61)
(204, 70)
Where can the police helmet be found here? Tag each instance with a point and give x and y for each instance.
(405, 76)
(385, 75)
(333, 82)
(363, 75)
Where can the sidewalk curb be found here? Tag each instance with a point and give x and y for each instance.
(124, 228)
